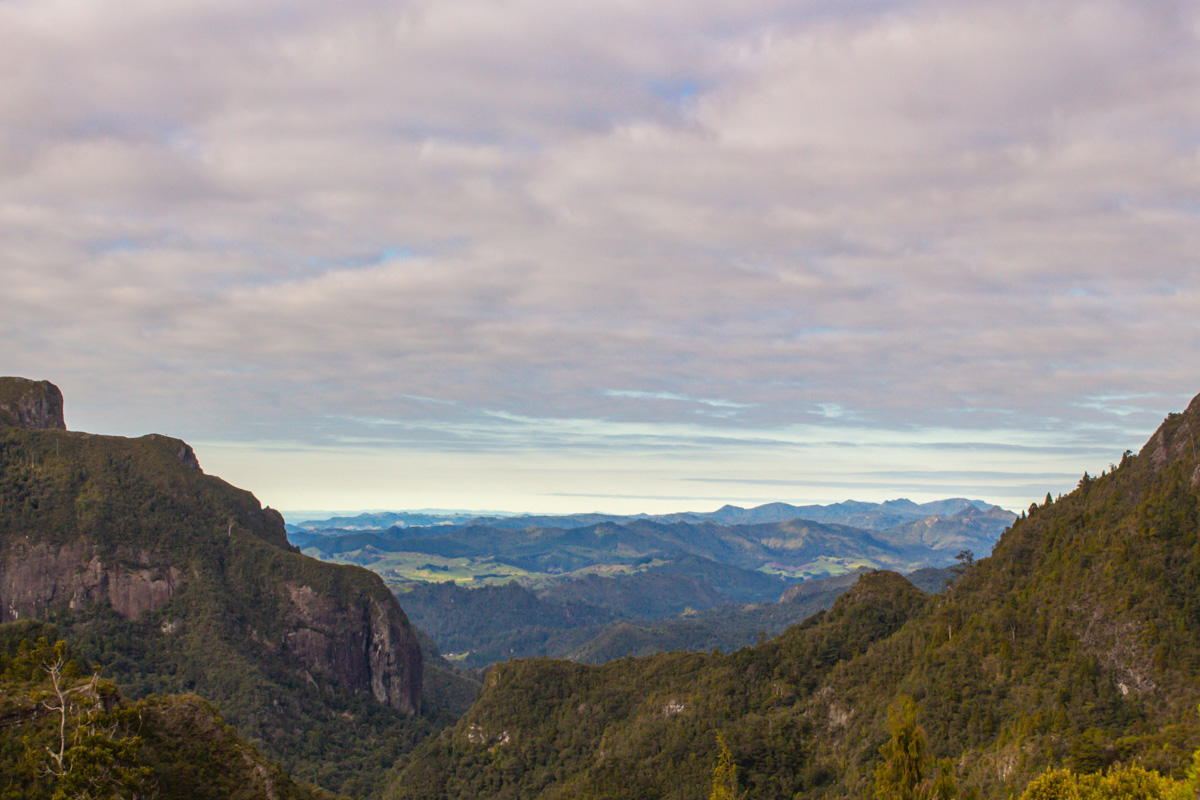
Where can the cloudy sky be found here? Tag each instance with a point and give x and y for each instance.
(625, 256)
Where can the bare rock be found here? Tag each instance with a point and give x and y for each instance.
(34, 405)
(1176, 439)
(356, 642)
(35, 579)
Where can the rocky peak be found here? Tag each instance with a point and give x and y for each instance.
(34, 405)
(1176, 440)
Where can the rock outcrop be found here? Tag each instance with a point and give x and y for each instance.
(1176, 440)
(36, 579)
(362, 644)
(33, 405)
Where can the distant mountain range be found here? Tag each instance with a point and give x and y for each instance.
(775, 539)
(871, 516)
(595, 586)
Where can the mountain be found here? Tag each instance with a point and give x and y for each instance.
(171, 580)
(382, 520)
(540, 557)
(870, 516)
(969, 528)
(478, 627)
(594, 622)
(857, 514)
(727, 627)
(1077, 643)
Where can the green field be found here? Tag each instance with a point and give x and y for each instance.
(401, 571)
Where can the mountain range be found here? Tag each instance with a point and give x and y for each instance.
(1073, 645)
(619, 580)
(159, 621)
(871, 516)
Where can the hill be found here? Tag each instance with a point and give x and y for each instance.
(170, 580)
(1076, 642)
(546, 559)
(482, 626)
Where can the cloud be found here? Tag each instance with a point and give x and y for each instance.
(903, 215)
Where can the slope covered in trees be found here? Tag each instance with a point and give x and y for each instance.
(1076, 643)
(172, 581)
(67, 732)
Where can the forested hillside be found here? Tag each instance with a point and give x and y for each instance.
(1076, 643)
(66, 732)
(171, 581)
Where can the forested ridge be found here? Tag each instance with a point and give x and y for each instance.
(1075, 644)
(173, 582)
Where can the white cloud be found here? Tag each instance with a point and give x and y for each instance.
(266, 215)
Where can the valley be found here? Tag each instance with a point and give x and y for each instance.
(491, 589)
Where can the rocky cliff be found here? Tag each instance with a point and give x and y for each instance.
(175, 580)
(35, 405)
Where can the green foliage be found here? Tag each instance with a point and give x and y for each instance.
(901, 773)
(1124, 783)
(724, 774)
(496, 623)
(141, 506)
(645, 727)
(67, 736)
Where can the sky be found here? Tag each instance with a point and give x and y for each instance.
(607, 256)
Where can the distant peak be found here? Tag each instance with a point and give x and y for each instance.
(900, 502)
(33, 405)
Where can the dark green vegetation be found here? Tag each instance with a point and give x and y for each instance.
(64, 732)
(171, 581)
(725, 628)
(1077, 643)
(477, 627)
(481, 626)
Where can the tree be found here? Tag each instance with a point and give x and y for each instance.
(724, 774)
(901, 774)
(86, 755)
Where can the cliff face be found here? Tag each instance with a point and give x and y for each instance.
(188, 584)
(33, 405)
(36, 579)
(362, 644)
(1175, 441)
